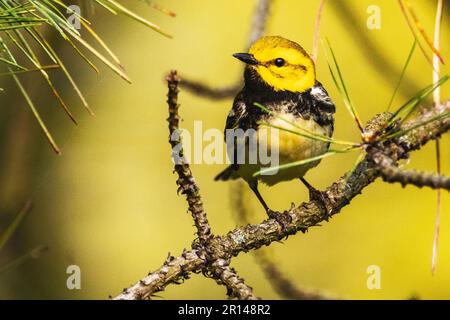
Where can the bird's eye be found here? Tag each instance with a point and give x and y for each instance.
(279, 62)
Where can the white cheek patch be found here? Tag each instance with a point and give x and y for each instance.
(318, 93)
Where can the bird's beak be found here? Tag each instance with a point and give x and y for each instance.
(247, 58)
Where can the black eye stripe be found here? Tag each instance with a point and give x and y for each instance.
(299, 66)
(284, 63)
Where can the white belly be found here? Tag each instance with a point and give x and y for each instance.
(290, 147)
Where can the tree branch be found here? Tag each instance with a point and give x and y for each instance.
(340, 193)
(308, 214)
(236, 287)
(203, 90)
(259, 24)
(279, 282)
(186, 183)
(420, 179)
(173, 270)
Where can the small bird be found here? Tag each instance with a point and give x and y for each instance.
(281, 76)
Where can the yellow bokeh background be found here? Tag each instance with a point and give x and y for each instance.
(109, 203)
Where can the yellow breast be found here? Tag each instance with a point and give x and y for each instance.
(290, 148)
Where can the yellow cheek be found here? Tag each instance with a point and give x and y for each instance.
(286, 80)
(277, 83)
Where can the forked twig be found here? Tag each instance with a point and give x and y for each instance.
(175, 270)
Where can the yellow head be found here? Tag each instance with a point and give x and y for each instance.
(282, 64)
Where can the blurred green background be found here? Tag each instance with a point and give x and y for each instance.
(109, 203)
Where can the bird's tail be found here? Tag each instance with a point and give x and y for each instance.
(228, 174)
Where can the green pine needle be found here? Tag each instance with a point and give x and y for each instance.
(410, 106)
(405, 131)
(6, 235)
(275, 169)
(402, 75)
(302, 131)
(21, 23)
(32, 254)
(340, 83)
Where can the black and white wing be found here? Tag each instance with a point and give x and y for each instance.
(235, 119)
(322, 99)
(237, 113)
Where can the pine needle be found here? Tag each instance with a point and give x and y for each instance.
(315, 48)
(303, 131)
(409, 107)
(402, 75)
(31, 104)
(37, 116)
(51, 66)
(423, 32)
(272, 170)
(28, 17)
(404, 131)
(437, 101)
(6, 235)
(340, 83)
(411, 28)
(68, 75)
(360, 158)
(136, 17)
(32, 254)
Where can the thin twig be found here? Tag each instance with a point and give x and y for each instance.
(259, 24)
(438, 212)
(236, 287)
(393, 174)
(437, 100)
(204, 90)
(173, 270)
(261, 13)
(186, 183)
(315, 48)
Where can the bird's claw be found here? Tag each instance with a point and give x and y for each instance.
(283, 219)
(319, 197)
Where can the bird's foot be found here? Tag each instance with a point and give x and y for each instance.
(283, 219)
(318, 196)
